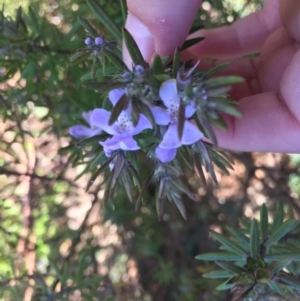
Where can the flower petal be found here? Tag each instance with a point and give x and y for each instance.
(161, 115)
(165, 155)
(81, 131)
(143, 124)
(117, 142)
(100, 118)
(128, 143)
(115, 95)
(190, 110)
(168, 93)
(87, 116)
(171, 139)
(191, 133)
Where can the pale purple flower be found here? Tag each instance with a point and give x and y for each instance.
(169, 116)
(82, 131)
(122, 130)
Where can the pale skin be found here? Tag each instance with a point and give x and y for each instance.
(269, 99)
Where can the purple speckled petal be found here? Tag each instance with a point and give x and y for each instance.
(115, 95)
(143, 124)
(117, 142)
(161, 115)
(81, 131)
(100, 118)
(191, 133)
(171, 139)
(168, 93)
(165, 155)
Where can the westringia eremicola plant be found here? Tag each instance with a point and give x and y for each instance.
(163, 112)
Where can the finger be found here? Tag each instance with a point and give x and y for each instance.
(266, 126)
(245, 36)
(271, 121)
(159, 26)
(290, 15)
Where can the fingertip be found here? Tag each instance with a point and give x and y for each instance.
(142, 37)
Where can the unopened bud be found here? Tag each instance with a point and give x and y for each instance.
(88, 41)
(139, 69)
(99, 41)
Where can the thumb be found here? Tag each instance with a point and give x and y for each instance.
(159, 26)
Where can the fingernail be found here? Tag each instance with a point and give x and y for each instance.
(142, 37)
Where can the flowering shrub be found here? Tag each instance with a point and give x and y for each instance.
(166, 110)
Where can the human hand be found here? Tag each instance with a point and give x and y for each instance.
(270, 97)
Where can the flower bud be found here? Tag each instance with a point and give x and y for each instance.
(88, 41)
(139, 69)
(99, 41)
(127, 76)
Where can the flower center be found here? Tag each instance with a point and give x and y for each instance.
(124, 125)
(173, 111)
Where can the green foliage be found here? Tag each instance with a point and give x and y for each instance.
(258, 258)
(66, 244)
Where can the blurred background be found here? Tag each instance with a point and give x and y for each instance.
(58, 242)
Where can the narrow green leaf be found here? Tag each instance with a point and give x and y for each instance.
(221, 256)
(218, 274)
(282, 256)
(91, 140)
(199, 171)
(207, 127)
(143, 108)
(178, 184)
(115, 60)
(103, 86)
(285, 228)
(275, 287)
(88, 27)
(225, 286)
(98, 172)
(222, 81)
(133, 48)
(160, 199)
(34, 21)
(157, 65)
(124, 10)
(135, 114)
(239, 235)
(208, 74)
(245, 224)
(181, 120)
(78, 57)
(276, 267)
(230, 267)
(120, 106)
(254, 239)
(279, 214)
(118, 168)
(179, 204)
(264, 222)
(293, 282)
(211, 170)
(135, 175)
(128, 185)
(144, 188)
(230, 110)
(176, 62)
(109, 24)
(97, 160)
(190, 43)
(230, 245)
